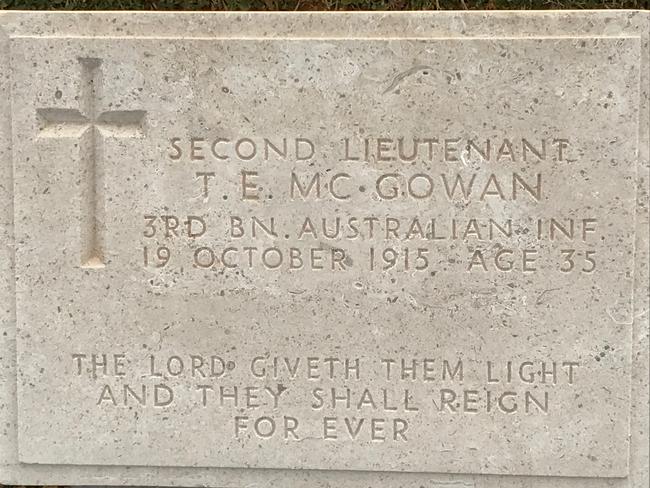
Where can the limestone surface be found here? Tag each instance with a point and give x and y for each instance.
(392, 249)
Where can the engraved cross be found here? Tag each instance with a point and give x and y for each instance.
(91, 126)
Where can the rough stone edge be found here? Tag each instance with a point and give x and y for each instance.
(13, 473)
(300, 24)
(640, 388)
(8, 437)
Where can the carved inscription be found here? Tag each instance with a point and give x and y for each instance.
(457, 179)
(351, 398)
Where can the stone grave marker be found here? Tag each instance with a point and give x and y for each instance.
(393, 249)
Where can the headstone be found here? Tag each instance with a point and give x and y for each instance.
(325, 249)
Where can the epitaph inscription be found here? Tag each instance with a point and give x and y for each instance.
(363, 254)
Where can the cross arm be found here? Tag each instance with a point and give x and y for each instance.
(61, 122)
(122, 123)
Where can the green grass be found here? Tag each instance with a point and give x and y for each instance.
(318, 4)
